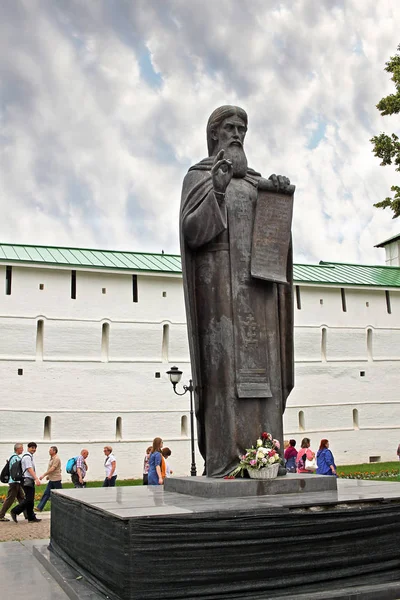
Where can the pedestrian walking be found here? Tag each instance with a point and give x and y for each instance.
(166, 452)
(146, 466)
(78, 478)
(53, 476)
(155, 463)
(15, 491)
(110, 465)
(29, 481)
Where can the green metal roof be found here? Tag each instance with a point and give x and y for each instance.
(92, 258)
(325, 273)
(347, 274)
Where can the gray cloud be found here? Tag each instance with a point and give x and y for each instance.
(103, 106)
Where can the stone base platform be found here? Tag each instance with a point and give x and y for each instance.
(142, 543)
(208, 487)
(77, 588)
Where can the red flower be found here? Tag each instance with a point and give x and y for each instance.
(271, 453)
(264, 435)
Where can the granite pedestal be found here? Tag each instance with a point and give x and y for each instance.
(142, 543)
(209, 487)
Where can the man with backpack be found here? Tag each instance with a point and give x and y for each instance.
(78, 478)
(15, 491)
(29, 480)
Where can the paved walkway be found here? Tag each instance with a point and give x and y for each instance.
(10, 532)
(21, 575)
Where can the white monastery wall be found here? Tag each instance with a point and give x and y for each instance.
(27, 299)
(94, 368)
(17, 338)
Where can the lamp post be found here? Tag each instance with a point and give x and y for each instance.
(175, 376)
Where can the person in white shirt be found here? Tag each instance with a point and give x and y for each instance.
(110, 465)
(29, 481)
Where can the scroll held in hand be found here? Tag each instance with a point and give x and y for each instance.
(271, 236)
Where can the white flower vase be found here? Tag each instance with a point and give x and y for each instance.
(268, 472)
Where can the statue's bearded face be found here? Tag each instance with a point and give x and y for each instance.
(230, 137)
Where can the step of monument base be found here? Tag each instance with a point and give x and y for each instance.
(77, 588)
(209, 487)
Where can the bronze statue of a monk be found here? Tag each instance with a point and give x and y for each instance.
(240, 325)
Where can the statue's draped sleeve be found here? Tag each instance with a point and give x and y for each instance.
(202, 217)
(198, 203)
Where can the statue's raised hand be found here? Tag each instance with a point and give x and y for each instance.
(280, 182)
(221, 173)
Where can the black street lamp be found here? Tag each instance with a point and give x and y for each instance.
(175, 376)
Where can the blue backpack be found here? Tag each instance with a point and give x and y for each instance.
(70, 467)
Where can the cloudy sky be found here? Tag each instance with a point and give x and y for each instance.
(104, 103)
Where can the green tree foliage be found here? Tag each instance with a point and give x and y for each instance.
(386, 147)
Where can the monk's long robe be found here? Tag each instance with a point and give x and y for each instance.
(240, 328)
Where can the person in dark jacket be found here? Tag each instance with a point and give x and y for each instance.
(290, 457)
(325, 461)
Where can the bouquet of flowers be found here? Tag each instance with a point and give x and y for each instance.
(263, 454)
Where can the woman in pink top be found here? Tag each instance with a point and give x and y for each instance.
(305, 453)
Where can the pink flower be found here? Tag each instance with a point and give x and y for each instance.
(276, 443)
(253, 462)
